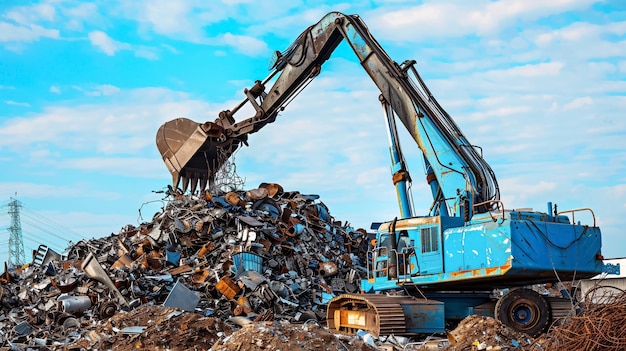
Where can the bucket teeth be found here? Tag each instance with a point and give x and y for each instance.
(185, 183)
(175, 179)
(194, 183)
(203, 182)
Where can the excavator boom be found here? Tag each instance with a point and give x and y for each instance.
(459, 176)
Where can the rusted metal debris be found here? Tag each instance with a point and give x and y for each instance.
(263, 254)
(599, 327)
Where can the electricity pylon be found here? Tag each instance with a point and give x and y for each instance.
(16, 242)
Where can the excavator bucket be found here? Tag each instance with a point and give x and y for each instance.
(193, 152)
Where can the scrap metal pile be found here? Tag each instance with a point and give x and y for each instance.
(259, 255)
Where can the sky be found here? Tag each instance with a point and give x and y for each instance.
(539, 85)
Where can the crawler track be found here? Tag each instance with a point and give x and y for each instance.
(377, 314)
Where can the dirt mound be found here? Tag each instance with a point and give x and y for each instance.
(284, 336)
(155, 328)
(485, 333)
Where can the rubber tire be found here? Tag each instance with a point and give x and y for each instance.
(525, 311)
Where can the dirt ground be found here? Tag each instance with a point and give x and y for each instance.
(154, 328)
(485, 333)
(160, 328)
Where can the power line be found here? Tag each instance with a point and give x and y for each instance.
(50, 222)
(42, 240)
(59, 228)
(34, 222)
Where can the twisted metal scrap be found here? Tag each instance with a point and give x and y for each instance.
(599, 327)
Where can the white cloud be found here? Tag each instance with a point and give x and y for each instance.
(176, 19)
(110, 46)
(55, 89)
(530, 70)
(77, 16)
(35, 190)
(502, 111)
(108, 89)
(15, 103)
(147, 53)
(525, 189)
(84, 10)
(579, 31)
(107, 44)
(103, 90)
(27, 15)
(166, 16)
(245, 44)
(171, 49)
(601, 69)
(372, 176)
(578, 103)
(141, 167)
(426, 15)
(237, 2)
(452, 19)
(122, 126)
(193, 21)
(42, 154)
(498, 13)
(22, 25)
(12, 33)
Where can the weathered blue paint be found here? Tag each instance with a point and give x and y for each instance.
(516, 249)
(424, 316)
(611, 268)
(521, 248)
(398, 165)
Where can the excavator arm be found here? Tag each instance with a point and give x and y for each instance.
(461, 181)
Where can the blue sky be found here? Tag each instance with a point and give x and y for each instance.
(84, 86)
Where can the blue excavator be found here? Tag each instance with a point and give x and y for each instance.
(468, 255)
